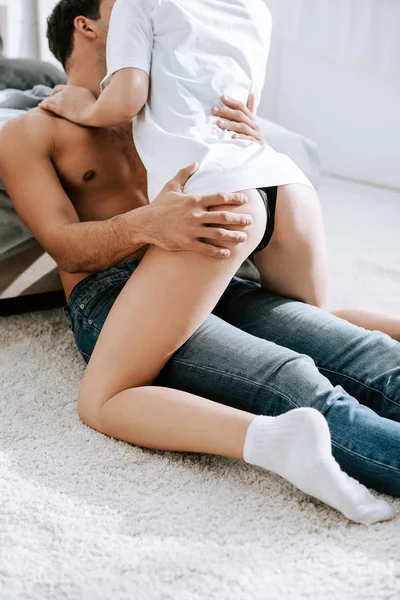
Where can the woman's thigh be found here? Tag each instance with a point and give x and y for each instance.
(295, 263)
(166, 299)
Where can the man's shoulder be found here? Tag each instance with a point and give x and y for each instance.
(31, 120)
(31, 132)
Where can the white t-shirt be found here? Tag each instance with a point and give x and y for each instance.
(195, 51)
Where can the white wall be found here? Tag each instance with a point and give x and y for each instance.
(16, 16)
(45, 8)
(334, 75)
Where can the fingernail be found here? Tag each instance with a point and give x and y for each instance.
(215, 109)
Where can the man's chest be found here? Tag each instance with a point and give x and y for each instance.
(93, 162)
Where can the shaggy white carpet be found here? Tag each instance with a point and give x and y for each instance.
(86, 517)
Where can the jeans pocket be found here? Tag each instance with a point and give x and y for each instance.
(96, 310)
(89, 322)
(86, 337)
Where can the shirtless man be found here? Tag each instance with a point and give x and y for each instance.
(83, 195)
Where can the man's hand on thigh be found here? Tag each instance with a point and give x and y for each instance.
(207, 224)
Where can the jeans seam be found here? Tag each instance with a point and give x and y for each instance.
(67, 318)
(237, 377)
(371, 460)
(89, 326)
(372, 389)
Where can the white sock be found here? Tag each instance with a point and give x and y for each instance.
(297, 446)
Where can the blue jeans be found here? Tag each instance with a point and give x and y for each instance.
(267, 355)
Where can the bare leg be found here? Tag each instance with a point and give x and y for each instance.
(165, 419)
(165, 301)
(295, 445)
(295, 263)
(372, 320)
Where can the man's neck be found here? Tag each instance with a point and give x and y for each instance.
(87, 72)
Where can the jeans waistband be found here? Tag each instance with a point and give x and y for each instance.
(87, 287)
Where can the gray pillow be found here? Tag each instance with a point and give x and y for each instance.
(24, 74)
(23, 99)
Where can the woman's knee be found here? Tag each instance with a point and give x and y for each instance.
(89, 413)
(90, 404)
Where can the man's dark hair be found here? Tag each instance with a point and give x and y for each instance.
(60, 25)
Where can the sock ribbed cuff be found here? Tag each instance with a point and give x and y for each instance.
(256, 441)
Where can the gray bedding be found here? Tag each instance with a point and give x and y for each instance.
(23, 100)
(23, 74)
(14, 237)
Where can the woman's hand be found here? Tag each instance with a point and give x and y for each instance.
(240, 118)
(70, 102)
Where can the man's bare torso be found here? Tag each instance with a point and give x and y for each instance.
(101, 173)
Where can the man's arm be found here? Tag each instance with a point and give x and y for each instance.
(26, 146)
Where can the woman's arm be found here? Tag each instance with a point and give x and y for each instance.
(120, 102)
